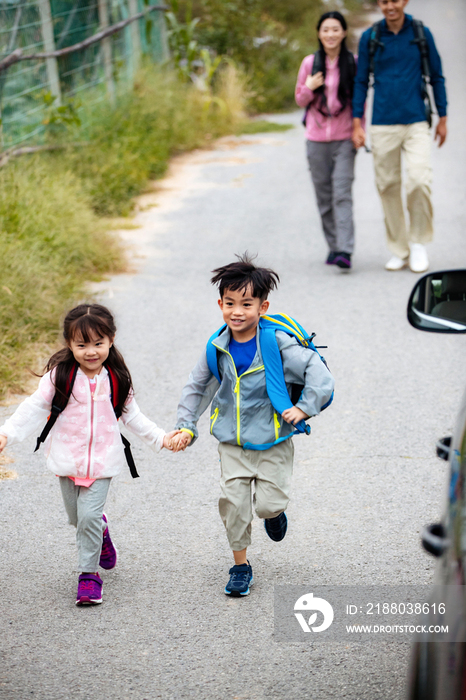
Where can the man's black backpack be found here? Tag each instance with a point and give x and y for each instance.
(421, 41)
(60, 402)
(318, 67)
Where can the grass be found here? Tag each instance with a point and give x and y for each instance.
(261, 126)
(50, 244)
(54, 207)
(159, 118)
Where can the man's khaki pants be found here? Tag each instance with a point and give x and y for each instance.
(270, 470)
(388, 142)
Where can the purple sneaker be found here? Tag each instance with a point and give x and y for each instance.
(343, 261)
(89, 590)
(109, 554)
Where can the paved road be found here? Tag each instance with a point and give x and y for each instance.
(364, 485)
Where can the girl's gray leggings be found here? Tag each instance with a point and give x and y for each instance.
(332, 171)
(85, 506)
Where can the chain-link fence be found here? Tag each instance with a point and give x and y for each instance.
(29, 89)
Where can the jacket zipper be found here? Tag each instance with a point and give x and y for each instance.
(91, 432)
(237, 392)
(276, 423)
(213, 418)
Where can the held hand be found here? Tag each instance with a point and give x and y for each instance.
(441, 131)
(359, 137)
(3, 441)
(181, 441)
(294, 415)
(168, 439)
(314, 81)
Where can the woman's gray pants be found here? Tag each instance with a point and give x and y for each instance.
(332, 169)
(85, 506)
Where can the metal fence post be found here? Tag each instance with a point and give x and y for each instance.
(135, 37)
(107, 52)
(49, 45)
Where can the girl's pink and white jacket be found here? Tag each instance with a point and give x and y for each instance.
(319, 127)
(85, 441)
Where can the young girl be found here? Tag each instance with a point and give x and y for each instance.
(325, 88)
(85, 448)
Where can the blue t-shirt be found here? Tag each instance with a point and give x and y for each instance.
(242, 354)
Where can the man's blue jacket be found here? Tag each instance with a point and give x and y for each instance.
(398, 77)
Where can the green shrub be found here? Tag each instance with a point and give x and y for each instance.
(51, 238)
(50, 244)
(133, 143)
(267, 38)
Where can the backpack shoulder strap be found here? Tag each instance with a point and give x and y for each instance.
(113, 390)
(374, 44)
(421, 41)
(211, 353)
(317, 65)
(273, 364)
(113, 379)
(59, 403)
(292, 327)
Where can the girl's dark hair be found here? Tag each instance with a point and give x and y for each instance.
(85, 322)
(240, 275)
(346, 64)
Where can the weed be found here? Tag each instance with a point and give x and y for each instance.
(50, 244)
(52, 237)
(261, 126)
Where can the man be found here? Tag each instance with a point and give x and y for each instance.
(399, 124)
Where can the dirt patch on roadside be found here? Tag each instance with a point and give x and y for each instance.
(4, 472)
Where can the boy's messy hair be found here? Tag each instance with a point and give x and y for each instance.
(240, 275)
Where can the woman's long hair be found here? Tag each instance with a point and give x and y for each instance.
(346, 65)
(86, 322)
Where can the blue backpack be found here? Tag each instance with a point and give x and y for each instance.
(273, 365)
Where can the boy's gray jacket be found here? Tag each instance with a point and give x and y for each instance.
(241, 409)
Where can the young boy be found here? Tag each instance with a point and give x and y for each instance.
(242, 413)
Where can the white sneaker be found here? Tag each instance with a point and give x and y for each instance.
(418, 260)
(396, 263)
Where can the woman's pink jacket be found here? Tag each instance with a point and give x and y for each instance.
(318, 127)
(85, 441)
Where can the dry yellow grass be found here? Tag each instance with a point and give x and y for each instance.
(6, 473)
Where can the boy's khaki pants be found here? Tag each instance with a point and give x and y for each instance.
(270, 470)
(387, 143)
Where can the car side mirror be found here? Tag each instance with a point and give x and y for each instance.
(438, 302)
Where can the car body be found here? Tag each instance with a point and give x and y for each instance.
(438, 668)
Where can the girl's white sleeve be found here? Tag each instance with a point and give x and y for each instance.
(31, 415)
(140, 425)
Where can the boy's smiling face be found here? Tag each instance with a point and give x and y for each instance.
(241, 312)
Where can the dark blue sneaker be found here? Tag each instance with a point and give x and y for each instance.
(276, 527)
(331, 258)
(240, 580)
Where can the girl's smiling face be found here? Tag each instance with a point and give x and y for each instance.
(91, 355)
(331, 34)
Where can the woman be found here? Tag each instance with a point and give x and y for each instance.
(325, 88)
